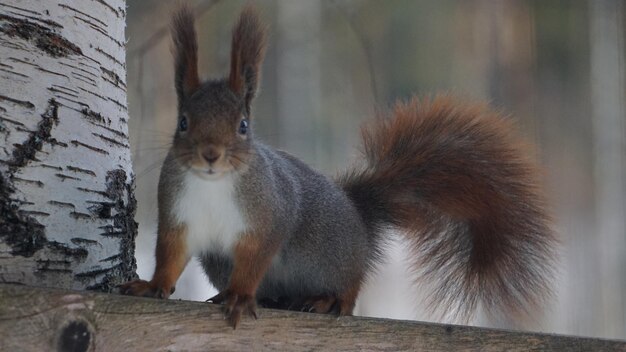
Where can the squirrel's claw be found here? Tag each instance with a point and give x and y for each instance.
(218, 298)
(235, 305)
(321, 304)
(143, 288)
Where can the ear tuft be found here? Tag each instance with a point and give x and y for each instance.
(248, 49)
(185, 53)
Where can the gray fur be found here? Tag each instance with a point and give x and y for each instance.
(305, 206)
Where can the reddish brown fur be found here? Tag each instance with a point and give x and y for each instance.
(347, 299)
(457, 180)
(252, 257)
(320, 304)
(171, 259)
(247, 51)
(185, 50)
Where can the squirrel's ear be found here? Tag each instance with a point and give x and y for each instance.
(185, 53)
(248, 49)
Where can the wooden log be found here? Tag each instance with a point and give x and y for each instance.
(42, 319)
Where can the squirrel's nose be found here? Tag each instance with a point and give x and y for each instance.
(211, 154)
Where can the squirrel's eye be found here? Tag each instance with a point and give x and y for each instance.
(182, 124)
(243, 126)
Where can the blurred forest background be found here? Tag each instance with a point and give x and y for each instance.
(557, 67)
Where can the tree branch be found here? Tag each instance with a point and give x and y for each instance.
(40, 319)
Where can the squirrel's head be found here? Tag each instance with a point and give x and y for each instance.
(213, 134)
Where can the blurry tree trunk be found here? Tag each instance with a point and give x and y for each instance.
(608, 122)
(298, 85)
(497, 48)
(66, 185)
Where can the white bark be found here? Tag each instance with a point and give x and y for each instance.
(65, 172)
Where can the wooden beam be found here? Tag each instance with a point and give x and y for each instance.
(42, 319)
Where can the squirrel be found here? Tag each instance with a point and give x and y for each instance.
(452, 177)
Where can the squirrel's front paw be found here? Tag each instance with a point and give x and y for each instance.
(234, 305)
(143, 288)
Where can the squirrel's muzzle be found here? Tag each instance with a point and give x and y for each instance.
(211, 153)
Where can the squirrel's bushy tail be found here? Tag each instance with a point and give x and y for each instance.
(463, 188)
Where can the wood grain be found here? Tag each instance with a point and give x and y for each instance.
(40, 319)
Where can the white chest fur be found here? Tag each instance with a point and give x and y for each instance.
(210, 211)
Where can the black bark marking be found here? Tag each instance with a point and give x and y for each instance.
(122, 106)
(95, 149)
(58, 168)
(34, 213)
(44, 38)
(112, 233)
(116, 12)
(111, 57)
(75, 337)
(60, 144)
(17, 123)
(80, 170)
(121, 210)
(44, 21)
(102, 210)
(84, 241)
(116, 132)
(77, 253)
(25, 152)
(120, 191)
(68, 89)
(100, 30)
(112, 77)
(14, 73)
(23, 233)
(62, 204)
(26, 104)
(66, 177)
(79, 215)
(111, 140)
(32, 182)
(79, 103)
(59, 91)
(111, 258)
(21, 9)
(96, 95)
(74, 67)
(87, 190)
(84, 79)
(52, 72)
(102, 23)
(94, 116)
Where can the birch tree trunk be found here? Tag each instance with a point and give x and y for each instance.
(66, 185)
